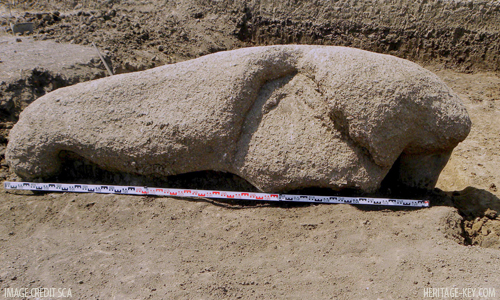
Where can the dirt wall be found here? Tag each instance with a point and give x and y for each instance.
(460, 34)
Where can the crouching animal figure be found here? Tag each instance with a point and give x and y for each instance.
(281, 117)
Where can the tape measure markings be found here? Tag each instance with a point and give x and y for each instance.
(140, 190)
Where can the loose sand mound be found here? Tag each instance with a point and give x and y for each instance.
(29, 69)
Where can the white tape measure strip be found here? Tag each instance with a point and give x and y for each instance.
(140, 190)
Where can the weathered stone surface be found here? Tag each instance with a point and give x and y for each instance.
(282, 117)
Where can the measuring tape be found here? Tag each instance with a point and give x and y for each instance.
(140, 190)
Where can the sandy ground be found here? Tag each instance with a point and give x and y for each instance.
(476, 161)
(119, 247)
